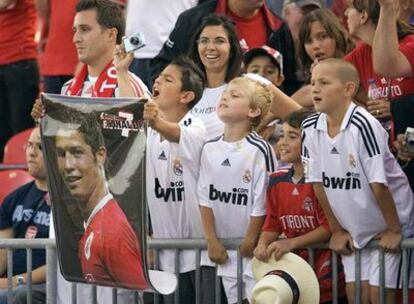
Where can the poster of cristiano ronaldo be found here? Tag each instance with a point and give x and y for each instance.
(95, 157)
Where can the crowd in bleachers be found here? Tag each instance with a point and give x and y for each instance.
(307, 102)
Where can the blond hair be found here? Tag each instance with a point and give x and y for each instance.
(259, 96)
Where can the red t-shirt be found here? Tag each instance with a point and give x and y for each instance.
(408, 51)
(293, 210)
(109, 251)
(361, 57)
(17, 32)
(251, 32)
(59, 57)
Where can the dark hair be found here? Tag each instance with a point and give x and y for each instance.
(373, 8)
(109, 15)
(333, 28)
(87, 124)
(192, 78)
(236, 55)
(296, 118)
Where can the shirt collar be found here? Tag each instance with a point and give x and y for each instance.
(322, 123)
(97, 208)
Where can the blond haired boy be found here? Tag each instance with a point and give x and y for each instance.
(233, 179)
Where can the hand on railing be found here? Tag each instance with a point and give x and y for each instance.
(390, 240)
(216, 252)
(341, 242)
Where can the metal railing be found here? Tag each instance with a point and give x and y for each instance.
(198, 245)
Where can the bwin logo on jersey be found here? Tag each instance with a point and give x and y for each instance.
(351, 181)
(239, 196)
(174, 193)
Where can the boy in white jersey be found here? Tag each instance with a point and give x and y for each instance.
(233, 179)
(363, 191)
(174, 144)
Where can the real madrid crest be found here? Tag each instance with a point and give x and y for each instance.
(352, 161)
(88, 245)
(247, 176)
(177, 167)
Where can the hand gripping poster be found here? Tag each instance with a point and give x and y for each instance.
(95, 157)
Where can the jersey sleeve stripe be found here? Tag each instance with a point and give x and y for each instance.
(371, 131)
(351, 116)
(365, 138)
(268, 159)
(267, 146)
(367, 133)
(311, 120)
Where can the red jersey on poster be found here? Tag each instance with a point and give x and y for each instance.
(109, 250)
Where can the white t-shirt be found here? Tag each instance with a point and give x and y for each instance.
(155, 19)
(205, 109)
(172, 174)
(233, 182)
(347, 164)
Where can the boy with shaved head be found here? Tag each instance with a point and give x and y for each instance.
(363, 191)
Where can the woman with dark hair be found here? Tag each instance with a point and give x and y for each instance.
(216, 50)
(321, 36)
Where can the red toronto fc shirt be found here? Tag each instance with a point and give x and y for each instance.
(109, 251)
(408, 51)
(361, 57)
(17, 32)
(293, 210)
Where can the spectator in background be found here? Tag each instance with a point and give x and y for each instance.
(256, 25)
(391, 59)
(25, 214)
(321, 36)
(376, 91)
(155, 21)
(57, 52)
(216, 50)
(19, 74)
(267, 62)
(295, 10)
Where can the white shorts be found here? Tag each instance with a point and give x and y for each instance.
(370, 270)
(230, 287)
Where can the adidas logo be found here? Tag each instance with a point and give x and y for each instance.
(295, 191)
(226, 163)
(162, 156)
(334, 151)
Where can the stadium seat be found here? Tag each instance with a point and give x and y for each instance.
(15, 149)
(11, 180)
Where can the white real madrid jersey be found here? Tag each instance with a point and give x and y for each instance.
(347, 164)
(172, 174)
(233, 183)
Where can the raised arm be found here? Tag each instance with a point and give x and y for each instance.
(388, 59)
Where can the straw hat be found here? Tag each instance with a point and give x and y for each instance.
(290, 280)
